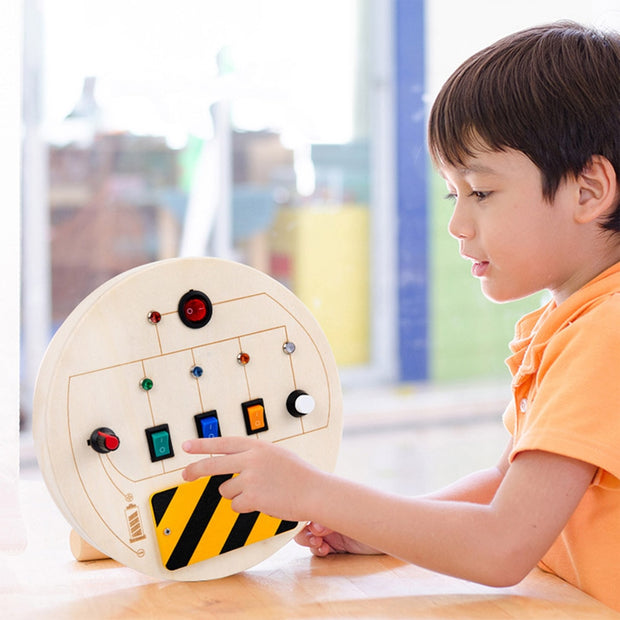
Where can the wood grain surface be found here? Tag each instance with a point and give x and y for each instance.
(46, 582)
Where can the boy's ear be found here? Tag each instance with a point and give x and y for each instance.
(598, 190)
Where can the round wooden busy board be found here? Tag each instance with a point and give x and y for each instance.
(182, 348)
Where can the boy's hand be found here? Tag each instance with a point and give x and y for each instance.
(323, 541)
(269, 478)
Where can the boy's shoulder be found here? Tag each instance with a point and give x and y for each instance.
(594, 309)
(591, 330)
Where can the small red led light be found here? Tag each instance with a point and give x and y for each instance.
(195, 310)
(243, 358)
(154, 316)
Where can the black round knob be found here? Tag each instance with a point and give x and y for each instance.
(104, 440)
(299, 403)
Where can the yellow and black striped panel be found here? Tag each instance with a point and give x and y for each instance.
(193, 522)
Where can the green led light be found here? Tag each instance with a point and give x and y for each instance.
(146, 384)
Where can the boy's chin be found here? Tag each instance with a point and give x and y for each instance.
(501, 296)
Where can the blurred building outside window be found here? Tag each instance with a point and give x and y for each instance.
(241, 129)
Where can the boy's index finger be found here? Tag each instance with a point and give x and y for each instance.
(216, 445)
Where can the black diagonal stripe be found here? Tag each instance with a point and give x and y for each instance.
(160, 502)
(285, 526)
(240, 531)
(196, 524)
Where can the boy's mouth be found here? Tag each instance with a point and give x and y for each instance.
(478, 269)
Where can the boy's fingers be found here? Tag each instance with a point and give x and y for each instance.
(217, 445)
(231, 488)
(317, 529)
(214, 466)
(304, 537)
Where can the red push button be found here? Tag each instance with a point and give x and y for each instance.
(195, 309)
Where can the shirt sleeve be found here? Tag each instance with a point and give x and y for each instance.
(575, 410)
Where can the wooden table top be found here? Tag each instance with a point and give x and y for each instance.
(46, 582)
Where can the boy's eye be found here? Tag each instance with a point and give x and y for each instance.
(479, 195)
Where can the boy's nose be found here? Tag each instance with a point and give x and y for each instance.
(460, 226)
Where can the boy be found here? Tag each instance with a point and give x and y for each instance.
(527, 136)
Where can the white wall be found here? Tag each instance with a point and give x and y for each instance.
(456, 29)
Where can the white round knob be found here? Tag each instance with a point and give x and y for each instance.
(299, 403)
(304, 404)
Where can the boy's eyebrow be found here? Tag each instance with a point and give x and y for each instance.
(471, 169)
(475, 167)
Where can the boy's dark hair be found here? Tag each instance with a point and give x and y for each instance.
(551, 92)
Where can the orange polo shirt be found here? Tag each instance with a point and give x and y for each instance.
(566, 388)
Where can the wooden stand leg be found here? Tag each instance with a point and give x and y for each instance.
(82, 551)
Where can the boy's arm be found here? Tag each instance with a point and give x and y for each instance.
(496, 543)
(478, 487)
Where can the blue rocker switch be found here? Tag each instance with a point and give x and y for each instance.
(207, 424)
(159, 442)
